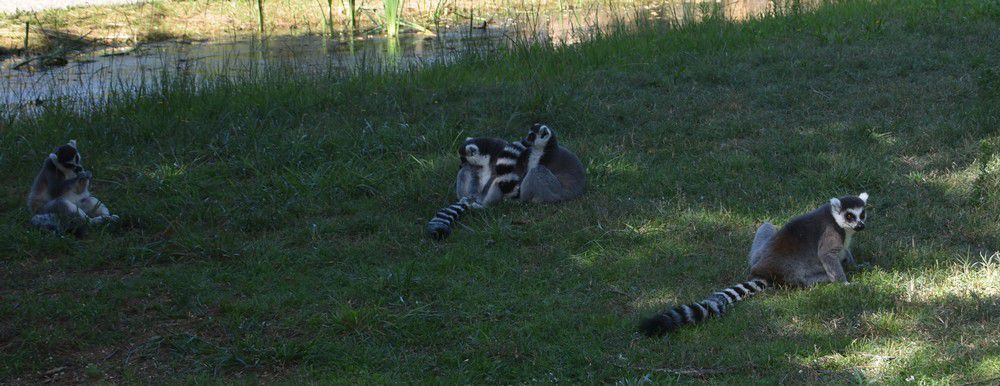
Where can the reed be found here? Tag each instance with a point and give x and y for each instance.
(260, 16)
(439, 12)
(351, 11)
(392, 9)
(27, 30)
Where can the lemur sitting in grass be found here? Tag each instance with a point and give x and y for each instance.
(810, 249)
(533, 169)
(61, 191)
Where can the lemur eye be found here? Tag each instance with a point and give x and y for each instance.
(862, 215)
(849, 217)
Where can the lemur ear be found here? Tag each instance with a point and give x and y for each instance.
(864, 197)
(468, 139)
(53, 156)
(835, 204)
(72, 142)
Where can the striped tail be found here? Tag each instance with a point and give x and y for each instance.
(510, 157)
(439, 227)
(714, 305)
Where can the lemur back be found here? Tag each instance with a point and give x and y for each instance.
(554, 173)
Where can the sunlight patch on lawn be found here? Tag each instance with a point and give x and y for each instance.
(876, 359)
(964, 280)
(424, 163)
(962, 181)
(168, 172)
(619, 165)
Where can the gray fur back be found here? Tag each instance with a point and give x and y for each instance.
(765, 233)
(574, 174)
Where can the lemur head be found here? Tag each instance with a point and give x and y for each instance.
(849, 211)
(67, 158)
(541, 136)
(476, 151)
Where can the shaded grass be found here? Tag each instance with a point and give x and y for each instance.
(273, 229)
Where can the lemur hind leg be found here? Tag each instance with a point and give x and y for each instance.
(815, 278)
(96, 210)
(467, 182)
(540, 185)
(764, 234)
(491, 194)
(63, 207)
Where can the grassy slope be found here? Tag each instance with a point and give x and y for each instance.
(274, 230)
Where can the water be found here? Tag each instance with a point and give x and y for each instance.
(88, 77)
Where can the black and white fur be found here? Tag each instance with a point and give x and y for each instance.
(478, 158)
(440, 226)
(713, 306)
(510, 168)
(810, 249)
(553, 172)
(62, 190)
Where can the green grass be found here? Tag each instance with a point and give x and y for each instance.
(273, 229)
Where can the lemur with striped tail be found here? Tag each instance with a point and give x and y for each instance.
(478, 170)
(810, 249)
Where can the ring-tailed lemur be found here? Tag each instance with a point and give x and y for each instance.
(810, 249)
(511, 165)
(62, 189)
(478, 157)
(553, 172)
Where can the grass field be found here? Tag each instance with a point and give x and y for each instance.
(272, 229)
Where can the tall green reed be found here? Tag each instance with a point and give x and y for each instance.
(392, 9)
(351, 10)
(260, 15)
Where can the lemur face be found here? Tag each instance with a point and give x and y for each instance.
(849, 211)
(539, 135)
(470, 153)
(67, 158)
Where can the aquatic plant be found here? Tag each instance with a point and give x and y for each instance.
(260, 15)
(351, 11)
(392, 8)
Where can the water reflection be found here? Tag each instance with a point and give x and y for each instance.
(87, 78)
